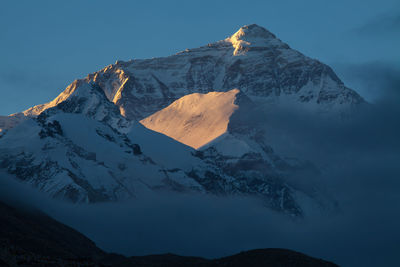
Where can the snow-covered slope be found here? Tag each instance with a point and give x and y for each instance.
(238, 149)
(86, 145)
(73, 157)
(195, 119)
(71, 151)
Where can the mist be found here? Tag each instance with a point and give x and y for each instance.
(359, 163)
(363, 233)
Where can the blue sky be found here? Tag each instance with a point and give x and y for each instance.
(45, 45)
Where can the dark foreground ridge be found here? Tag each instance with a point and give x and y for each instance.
(31, 238)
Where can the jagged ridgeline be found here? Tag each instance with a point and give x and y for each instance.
(195, 135)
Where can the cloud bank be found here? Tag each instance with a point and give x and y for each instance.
(359, 161)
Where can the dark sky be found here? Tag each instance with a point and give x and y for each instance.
(45, 45)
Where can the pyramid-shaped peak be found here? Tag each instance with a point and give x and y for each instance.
(251, 32)
(252, 36)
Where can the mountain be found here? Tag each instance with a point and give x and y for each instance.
(71, 151)
(31, 238)
(70, 154)
(252, 60)
(252, 258)
(206, 105)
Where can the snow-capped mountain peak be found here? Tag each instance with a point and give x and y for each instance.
(252, 31)
(86, 144)
(252, 60)
(252, 36)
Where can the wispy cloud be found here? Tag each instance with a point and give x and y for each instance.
(375, 80)
(384, 25)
